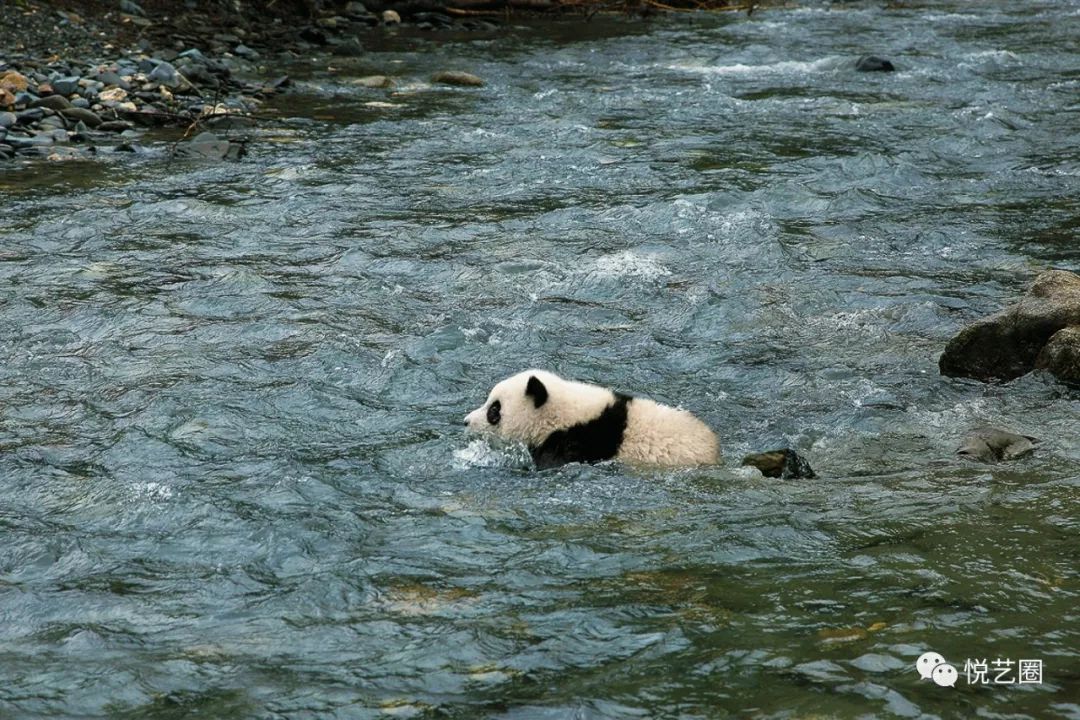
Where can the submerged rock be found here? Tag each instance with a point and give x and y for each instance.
(209, 146)
(873, 63)
(1009, 344)
(992, 445)
(456, 77)
(784, 463)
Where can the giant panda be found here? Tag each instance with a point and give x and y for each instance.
(562, 421)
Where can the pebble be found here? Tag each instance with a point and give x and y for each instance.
(390, 17)
(115, 126)
(456, 77)
(209, 146)
(13, 81)
(7, 119)
(33, 115)
(66, 85)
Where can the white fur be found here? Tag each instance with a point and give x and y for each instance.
(655, 434)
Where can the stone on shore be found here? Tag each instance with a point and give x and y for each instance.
(1011, 343)
(91, 118)
(456, 77)
(390, 17)
(53, 102)
(373, 81)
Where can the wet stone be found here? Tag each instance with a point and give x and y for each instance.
(111, 78)
(7, 119)
(993, 445)
(456, 77)
(118, 126)
(784, 463)
(873, 63)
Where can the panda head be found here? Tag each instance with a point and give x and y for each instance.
(521, 408)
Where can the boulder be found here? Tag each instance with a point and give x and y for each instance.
(1061, 354)
(1007, 345)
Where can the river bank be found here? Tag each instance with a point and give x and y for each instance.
(77, 84)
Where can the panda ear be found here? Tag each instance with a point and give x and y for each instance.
(536, 390)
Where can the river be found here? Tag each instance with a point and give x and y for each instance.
(233, 477)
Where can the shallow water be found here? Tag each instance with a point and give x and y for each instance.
(232, 471)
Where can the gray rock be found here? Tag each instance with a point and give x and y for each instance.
(210, 147)
(24, 141)
(193, 54)
(167, 75)
(245, 52)
(1006, 345)
(356, 9)
(992, 445)
(7, 119)
(33, 115)
(82, 115)
(111, 78)
(1061, 354)
(873, 63)
(373, 81)
(131, 8)
(783, 463)
(80, 102)
(456, 77)
(53, 102)
(66, 85)
(115, 126)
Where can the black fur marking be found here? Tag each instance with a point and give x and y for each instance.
(589, 442)
(535, 389)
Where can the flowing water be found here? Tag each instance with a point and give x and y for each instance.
(233, 477)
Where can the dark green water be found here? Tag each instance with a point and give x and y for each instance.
(233, 482)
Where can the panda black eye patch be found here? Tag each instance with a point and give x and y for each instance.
(494, 411)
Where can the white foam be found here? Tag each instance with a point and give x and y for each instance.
(631, 264)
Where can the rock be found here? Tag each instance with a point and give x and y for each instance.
(435, 19)
(82, 115)
(131, 8)
(20, 142)
(66, 85)
(112, 95)
(115, 126)
(26, 117)
(373, 81)
(111, 78)
(390, 17)
(245, 52)
(6, 98)
(166, 74)
(53, 102)
(873, 63)
(313, 35)
(13, 81)
(456, 77)
(7, 119)
(208, 146)
(783, 463)
(1006, 345)
(991, 445)
(1061, 354)
(355, 9)
(44, 89)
